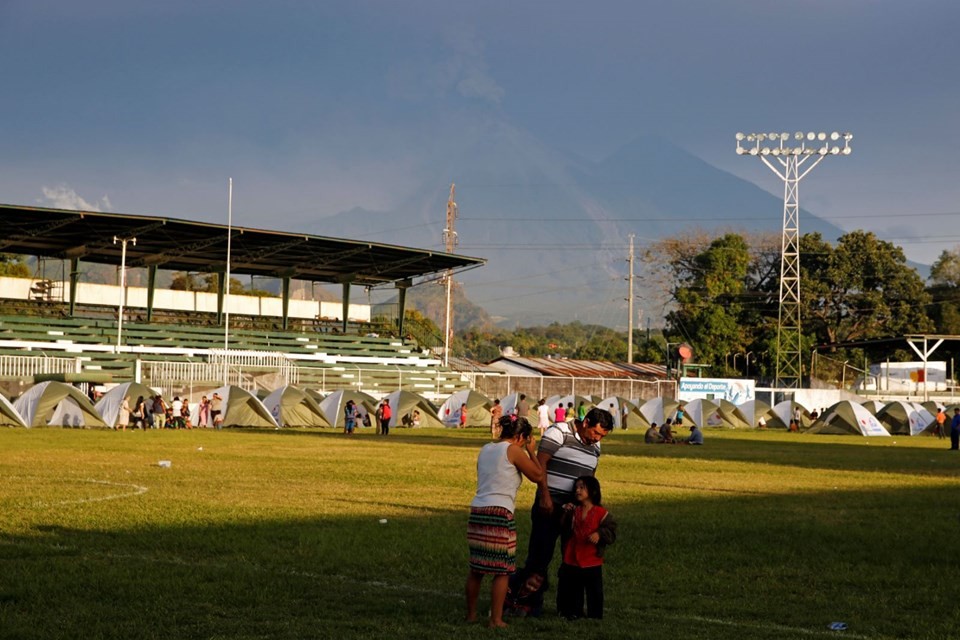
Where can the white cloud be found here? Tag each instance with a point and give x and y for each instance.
(63, 197)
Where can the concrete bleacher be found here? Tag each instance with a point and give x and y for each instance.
(323, 359)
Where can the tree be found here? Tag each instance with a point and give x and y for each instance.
(13, 266)
(861, 290)
(945, 272)
(710, 296)
(944, 291)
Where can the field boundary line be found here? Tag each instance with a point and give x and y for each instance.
(138, 490)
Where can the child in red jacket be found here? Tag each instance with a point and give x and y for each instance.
(590, 528)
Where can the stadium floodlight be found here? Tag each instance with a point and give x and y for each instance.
(786, 162)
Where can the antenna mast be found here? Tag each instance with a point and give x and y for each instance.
(450, 241)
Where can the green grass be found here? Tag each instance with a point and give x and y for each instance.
(277, 535)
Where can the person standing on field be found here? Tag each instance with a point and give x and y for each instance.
(523, 409)
(350, 415)
(567, 451)
(123, 418)
(955, 430)
(939, 424)
(491, 528)
(378, 415)
(216, 410)
(385, 414)
(543, 416)
(495, 414)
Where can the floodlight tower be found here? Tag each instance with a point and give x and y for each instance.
(791, 152)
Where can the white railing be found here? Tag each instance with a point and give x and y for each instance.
(237, 361)
(242, 368)
(26, 366)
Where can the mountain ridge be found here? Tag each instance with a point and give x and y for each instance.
(554, 226)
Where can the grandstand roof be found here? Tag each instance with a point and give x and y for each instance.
(182, 245)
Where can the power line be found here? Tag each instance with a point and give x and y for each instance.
(870, 216)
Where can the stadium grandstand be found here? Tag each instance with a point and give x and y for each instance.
(186, 342)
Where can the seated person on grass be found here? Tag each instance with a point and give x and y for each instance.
(652, 436)
(696, 436)
(666, 432)
(525, 594)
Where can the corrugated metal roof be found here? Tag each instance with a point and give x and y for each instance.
(646, 369)
(563, 367)
(459, 363)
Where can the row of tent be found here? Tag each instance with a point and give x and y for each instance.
(59, 404)
(869, 418)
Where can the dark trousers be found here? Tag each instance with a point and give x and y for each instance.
(543, 537)
(385, 426)
(954, 439)
(572, 583)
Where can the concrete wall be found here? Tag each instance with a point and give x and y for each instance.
(109, 295)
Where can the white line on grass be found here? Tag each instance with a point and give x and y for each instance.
(768, 626)
(406, 588)
(137, 490)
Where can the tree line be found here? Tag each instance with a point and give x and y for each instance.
(859, 297)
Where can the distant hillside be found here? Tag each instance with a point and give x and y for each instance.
(554, 227)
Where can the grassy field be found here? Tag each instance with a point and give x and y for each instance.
(278, 535)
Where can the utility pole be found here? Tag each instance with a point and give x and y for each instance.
(450, 241)
(630, 305)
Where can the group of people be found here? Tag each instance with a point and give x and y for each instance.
(664, 434)
(154, 412)
(562, 413)
(354, 417)
(568, 506)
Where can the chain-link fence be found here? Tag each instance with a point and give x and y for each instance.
(838, 373)
(498, 386)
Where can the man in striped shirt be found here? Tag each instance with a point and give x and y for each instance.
(567, 451)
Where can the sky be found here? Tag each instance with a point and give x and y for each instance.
(317, 107)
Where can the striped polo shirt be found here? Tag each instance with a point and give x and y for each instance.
(571, 458)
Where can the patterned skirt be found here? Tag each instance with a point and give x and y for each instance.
(492, 538)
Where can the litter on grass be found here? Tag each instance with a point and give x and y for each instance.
(383, 521)
(165, 464)
(837, 626)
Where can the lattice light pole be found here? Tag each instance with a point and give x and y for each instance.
(791, 152)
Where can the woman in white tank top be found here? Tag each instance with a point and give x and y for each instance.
(491, 529)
